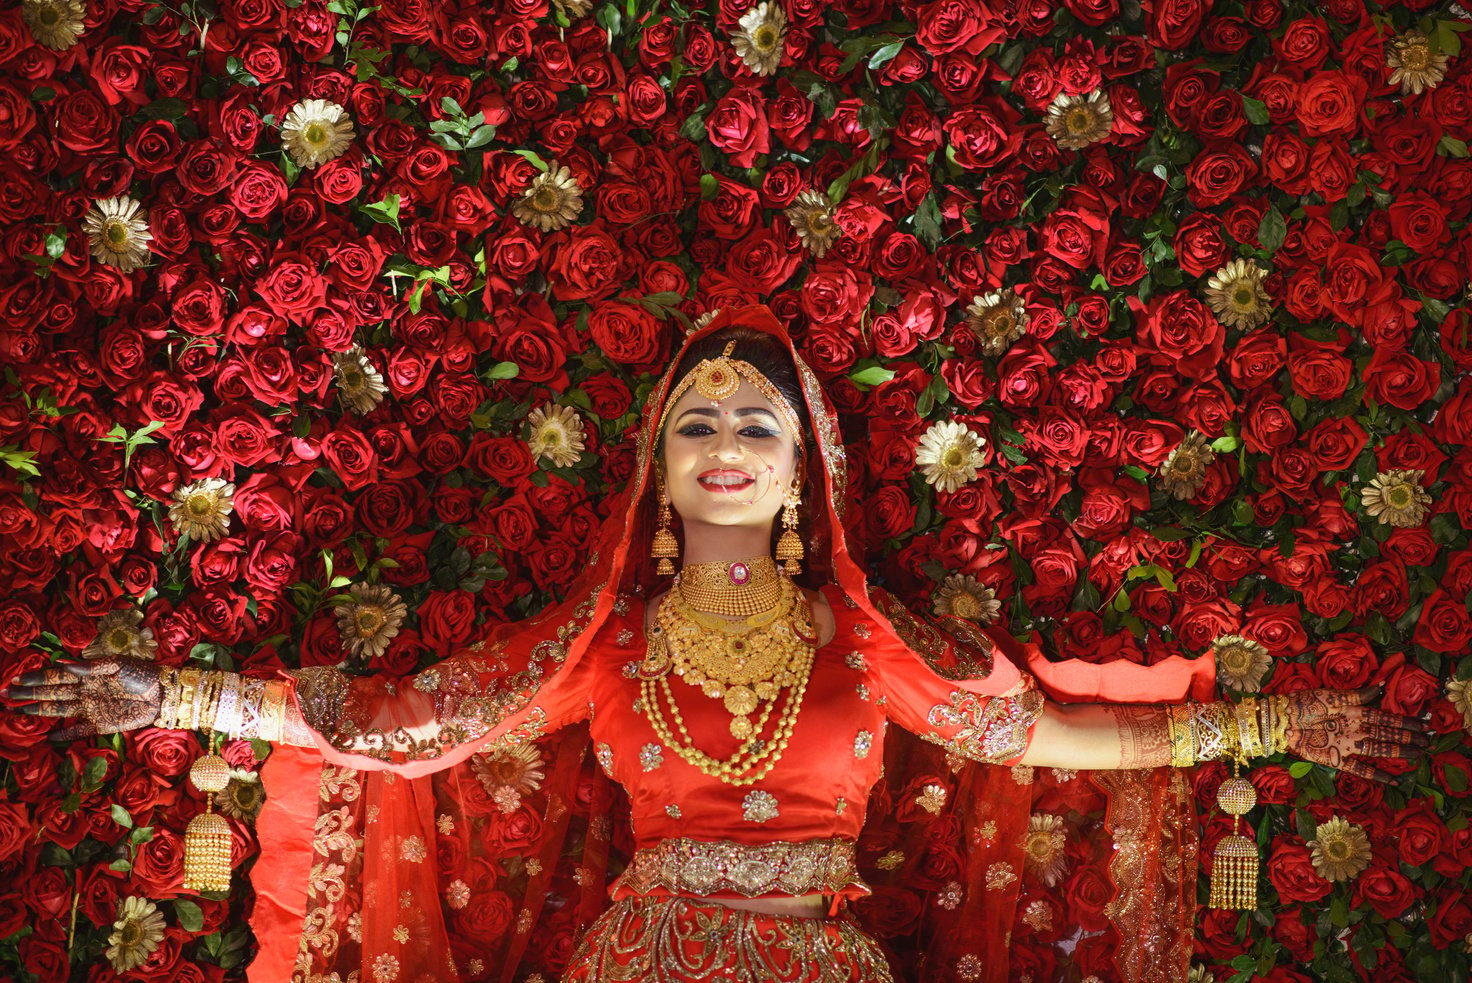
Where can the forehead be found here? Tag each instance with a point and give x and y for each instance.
(746, 397)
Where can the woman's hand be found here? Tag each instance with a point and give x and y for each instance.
(108, 695)
(1334, 727)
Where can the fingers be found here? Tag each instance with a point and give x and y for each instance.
(1363, 769)
(56, 708)
(1384, 718)
(1368, 693)
(65, 735)
(1396, 735)
(60, 675)
(48, 693)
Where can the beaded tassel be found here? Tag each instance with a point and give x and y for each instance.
(207, 838)
(1234, 862)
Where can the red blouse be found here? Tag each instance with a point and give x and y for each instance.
(820, 787)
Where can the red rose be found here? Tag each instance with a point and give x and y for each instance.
(956, 25)
(587, 263)
(168, 753)
(1200, 248)
(1329, 102)
(1319, 372)
(1400, 379)
(627, 334)
(1217, 174)
(293, 288)
(1305, 43)
(351, 457)
(1444, 625)
(487, 918)
(738, 125)
(1175, 23)
(504, 460)
(447, 620)
(1292, 873)
(158, 865)
(1182, 329)
(1385, 890)
(1345, 662)
(984, 134)
(84, 123)
(1421, 836)
(1336, 442)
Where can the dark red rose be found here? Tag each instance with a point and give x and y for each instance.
(1329, 103)
(1292, 873)
(292, 287)
(1182, 329)
(1444, 625)
(1200, 248)
(1385, 890)
(1400, 379)
(1217, 174)
(158, 865)
(587, 264)
(984, 134)
(1175, 23)
(738, 125)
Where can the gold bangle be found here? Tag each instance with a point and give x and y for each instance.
(169, 704)
(205, 700)
(1279, 735)
(273, 710)
(1213, 739)
(1182, 746)
(188, 693)
(1249, 739)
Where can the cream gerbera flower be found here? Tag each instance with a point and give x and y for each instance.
(552, 201)
(950, 454)
(703, 320)
(201, 510)
(966, 597)
(359, 385)
(1200, 974)
(1042, 847)
(242, 797)
(1241, 663)
(1183, 471)
(316, 131)
(370, 620)
(997, 319)
(573, 9)
(556, 434)
(1339, 850)
(54, 23)
(1076, 122)
(122, 633)
(759, 37)
(509, 773)
(1459, 692)
(812, 217)
(117, 231)
(136, 933)
(1236, 296)
(1414, 66)
(1396, 497)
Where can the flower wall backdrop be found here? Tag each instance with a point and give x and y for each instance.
(322, 326)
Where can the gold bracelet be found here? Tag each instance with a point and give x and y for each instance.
(273, 710)
(188, 693)
(1249, 739)
(1182, 745)
(1279, 735)
(1213, 738)
(205, 700)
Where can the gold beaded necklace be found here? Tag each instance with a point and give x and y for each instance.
(745, 665)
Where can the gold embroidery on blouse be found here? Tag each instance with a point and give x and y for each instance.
(991, 729)
(702, 868)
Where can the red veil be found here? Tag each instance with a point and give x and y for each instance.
(438, 833)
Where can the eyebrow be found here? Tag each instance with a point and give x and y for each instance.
(744, 411)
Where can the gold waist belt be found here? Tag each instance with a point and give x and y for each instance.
(700, 868)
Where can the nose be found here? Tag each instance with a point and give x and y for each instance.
(726, 447)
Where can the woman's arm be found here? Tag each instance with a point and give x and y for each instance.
(1330, 727)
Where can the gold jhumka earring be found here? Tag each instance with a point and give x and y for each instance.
(789, 546)
(665, 547)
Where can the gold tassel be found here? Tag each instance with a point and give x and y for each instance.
(1234, 862)
(207, 838)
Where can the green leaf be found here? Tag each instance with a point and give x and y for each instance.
(503, 370)
(532, 156)
(385, 212)
(1450, 146)
(140, 834)
(1299, 769)
(482, 136)
(885, 54)
(121, 816)
(710, 186)
(1272, 230)
(872, 376)
(191, 918)
(1256, 111)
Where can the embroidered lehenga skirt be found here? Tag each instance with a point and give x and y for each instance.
(664, 939)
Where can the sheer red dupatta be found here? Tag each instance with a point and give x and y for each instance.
(382, 852)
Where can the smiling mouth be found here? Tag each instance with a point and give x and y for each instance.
(726, 482)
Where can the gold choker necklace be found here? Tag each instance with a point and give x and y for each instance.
(736, 589)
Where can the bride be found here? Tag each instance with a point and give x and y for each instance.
(743, 705)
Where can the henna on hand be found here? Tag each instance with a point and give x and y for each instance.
(1335, 728)
(109, 695)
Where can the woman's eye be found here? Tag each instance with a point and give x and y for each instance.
(695, 430)
(701, 430)
(757, 432)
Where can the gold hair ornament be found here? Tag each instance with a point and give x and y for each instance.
(718, 379)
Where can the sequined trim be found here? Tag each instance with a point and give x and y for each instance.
(955, 650)
(676, 940)
(702, 868)
(992, 729)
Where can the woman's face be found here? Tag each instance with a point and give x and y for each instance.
(727, 465)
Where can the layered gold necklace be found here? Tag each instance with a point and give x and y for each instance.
(746, 664)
